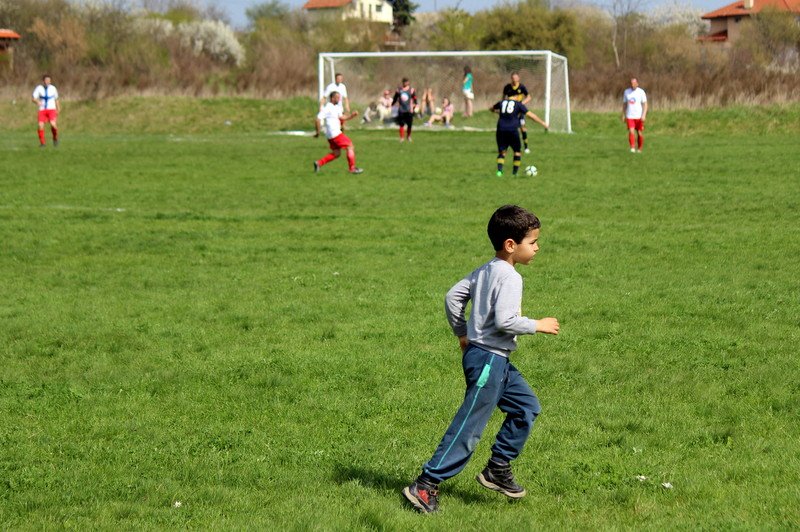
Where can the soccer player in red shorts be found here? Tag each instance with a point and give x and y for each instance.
(634, 113)
(46, 97)
(331, 118)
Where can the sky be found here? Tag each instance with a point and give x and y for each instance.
(236, 8)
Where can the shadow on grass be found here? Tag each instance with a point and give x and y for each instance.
(372, 479)
(380, 481)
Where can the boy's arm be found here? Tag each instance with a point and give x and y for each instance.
(316, 128)
(455, 307)
(507, 307)
(345, 118)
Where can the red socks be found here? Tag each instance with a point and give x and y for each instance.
(351, 159)
(325, 160)
(402, 132)
(641, 142)
(631, 140)
(55, 134)
(41, 136)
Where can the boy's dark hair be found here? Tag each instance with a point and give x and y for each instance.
(510, 221)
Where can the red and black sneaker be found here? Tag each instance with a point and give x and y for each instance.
(500, 478)
(423, 497)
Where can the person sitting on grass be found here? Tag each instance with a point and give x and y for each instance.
(445, 114)
(487, 340)
(382, 108)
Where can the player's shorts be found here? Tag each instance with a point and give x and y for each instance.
(405, 119)
(339, 142)
(508, 139)
(635, 123)
(468, 94)
(47, 115)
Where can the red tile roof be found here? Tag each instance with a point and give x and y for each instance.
(720, 36)
(737, 9)
(9, 34)
(324, 4)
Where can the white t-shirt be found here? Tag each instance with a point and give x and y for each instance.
(634, 98)
(341, 89)
(330, 116)
(47, 96)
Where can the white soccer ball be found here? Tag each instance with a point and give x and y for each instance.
(531, 171)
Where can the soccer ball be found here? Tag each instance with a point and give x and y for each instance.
(531, 171)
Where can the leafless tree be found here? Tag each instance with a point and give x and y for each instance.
(621, 12)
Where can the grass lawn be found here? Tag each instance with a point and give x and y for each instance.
(191, 316)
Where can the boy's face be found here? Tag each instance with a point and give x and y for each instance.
(523, 252)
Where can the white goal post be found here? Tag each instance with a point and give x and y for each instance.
(543, 72)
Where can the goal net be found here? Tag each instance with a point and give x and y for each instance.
(544, 74)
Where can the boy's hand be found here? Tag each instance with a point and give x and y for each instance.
(463, 343)
(547, 326)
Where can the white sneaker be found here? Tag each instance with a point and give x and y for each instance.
(633, 150)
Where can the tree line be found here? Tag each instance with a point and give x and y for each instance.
(176, 46)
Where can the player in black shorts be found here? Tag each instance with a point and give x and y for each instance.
(517, 91)
(406, 99)
(511, 111)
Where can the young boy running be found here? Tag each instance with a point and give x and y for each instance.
(487, 340)
(331, 117)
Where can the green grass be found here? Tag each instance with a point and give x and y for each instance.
(198, 318)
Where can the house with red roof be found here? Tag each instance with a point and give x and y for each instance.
(726, 22)
(7, 40)
(371, 10)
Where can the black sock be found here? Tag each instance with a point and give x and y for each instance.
(517, 162)
(525, 138)
(427, 481)
(495, 462)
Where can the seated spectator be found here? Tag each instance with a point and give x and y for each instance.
(445, 114)
(382, 108)
(426, 109)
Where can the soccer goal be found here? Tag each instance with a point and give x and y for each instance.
(544, 73)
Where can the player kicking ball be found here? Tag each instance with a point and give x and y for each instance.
(331, 118)
(511, 112)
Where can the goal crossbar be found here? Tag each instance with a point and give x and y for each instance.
(328, 59)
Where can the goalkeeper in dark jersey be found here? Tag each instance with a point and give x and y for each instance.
(517, 91)
(406, 100)
(511, 111)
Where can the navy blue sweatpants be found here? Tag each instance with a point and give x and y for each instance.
(492, 381)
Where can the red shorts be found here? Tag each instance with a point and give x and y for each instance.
(48, 115)
(339, 142)
(635, 123)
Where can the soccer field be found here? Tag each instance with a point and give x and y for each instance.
(197, 331)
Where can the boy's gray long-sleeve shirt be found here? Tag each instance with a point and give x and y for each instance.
(494, 321)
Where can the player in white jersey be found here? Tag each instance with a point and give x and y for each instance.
(331, 118)
(337, 86)
(634, 113)
(46, 97)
